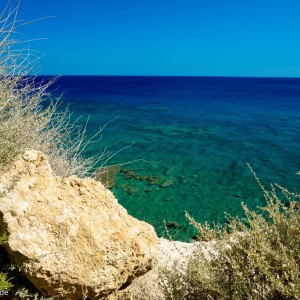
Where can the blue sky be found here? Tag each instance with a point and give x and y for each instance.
(164, 37)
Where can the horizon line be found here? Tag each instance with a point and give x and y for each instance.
(213, 76)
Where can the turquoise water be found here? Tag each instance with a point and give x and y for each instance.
(197, 134)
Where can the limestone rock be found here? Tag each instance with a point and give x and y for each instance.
(69, 235)
(172, 256)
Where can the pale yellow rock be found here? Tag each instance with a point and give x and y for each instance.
(69, 235)
(172, 256)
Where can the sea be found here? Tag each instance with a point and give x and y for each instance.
(182, 144)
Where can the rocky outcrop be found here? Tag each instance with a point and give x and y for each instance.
(69, 235)
(173, 256)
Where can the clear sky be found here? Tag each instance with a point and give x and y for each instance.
(166, 37)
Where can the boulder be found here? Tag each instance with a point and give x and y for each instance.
(172, 256)
(70, 236)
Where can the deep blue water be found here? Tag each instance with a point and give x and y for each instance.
(202, 131)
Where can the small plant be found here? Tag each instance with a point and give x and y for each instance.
(3, 238)
(256, 257)
(5, 283)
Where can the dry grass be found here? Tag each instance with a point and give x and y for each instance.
(29, 115)
(30, 118)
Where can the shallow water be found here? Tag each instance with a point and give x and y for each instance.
(197, 134)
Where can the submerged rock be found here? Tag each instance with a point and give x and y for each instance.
(172, 224)
(70, 236)
(150, 179)
(108, 175)
(167, 183)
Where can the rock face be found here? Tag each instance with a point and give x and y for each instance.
(69, 235)
(172, 256)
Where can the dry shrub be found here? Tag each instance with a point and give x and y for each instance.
(29, 116)
(257, 257)
(30, 119)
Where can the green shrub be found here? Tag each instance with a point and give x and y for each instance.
(256, 257)
(4, 282)
(3, 238)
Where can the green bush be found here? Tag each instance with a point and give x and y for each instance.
(256, 257)
(4, 282)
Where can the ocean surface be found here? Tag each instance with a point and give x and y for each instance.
(191, 138)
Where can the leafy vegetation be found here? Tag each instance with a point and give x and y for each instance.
(5, 283)
(256, 257)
